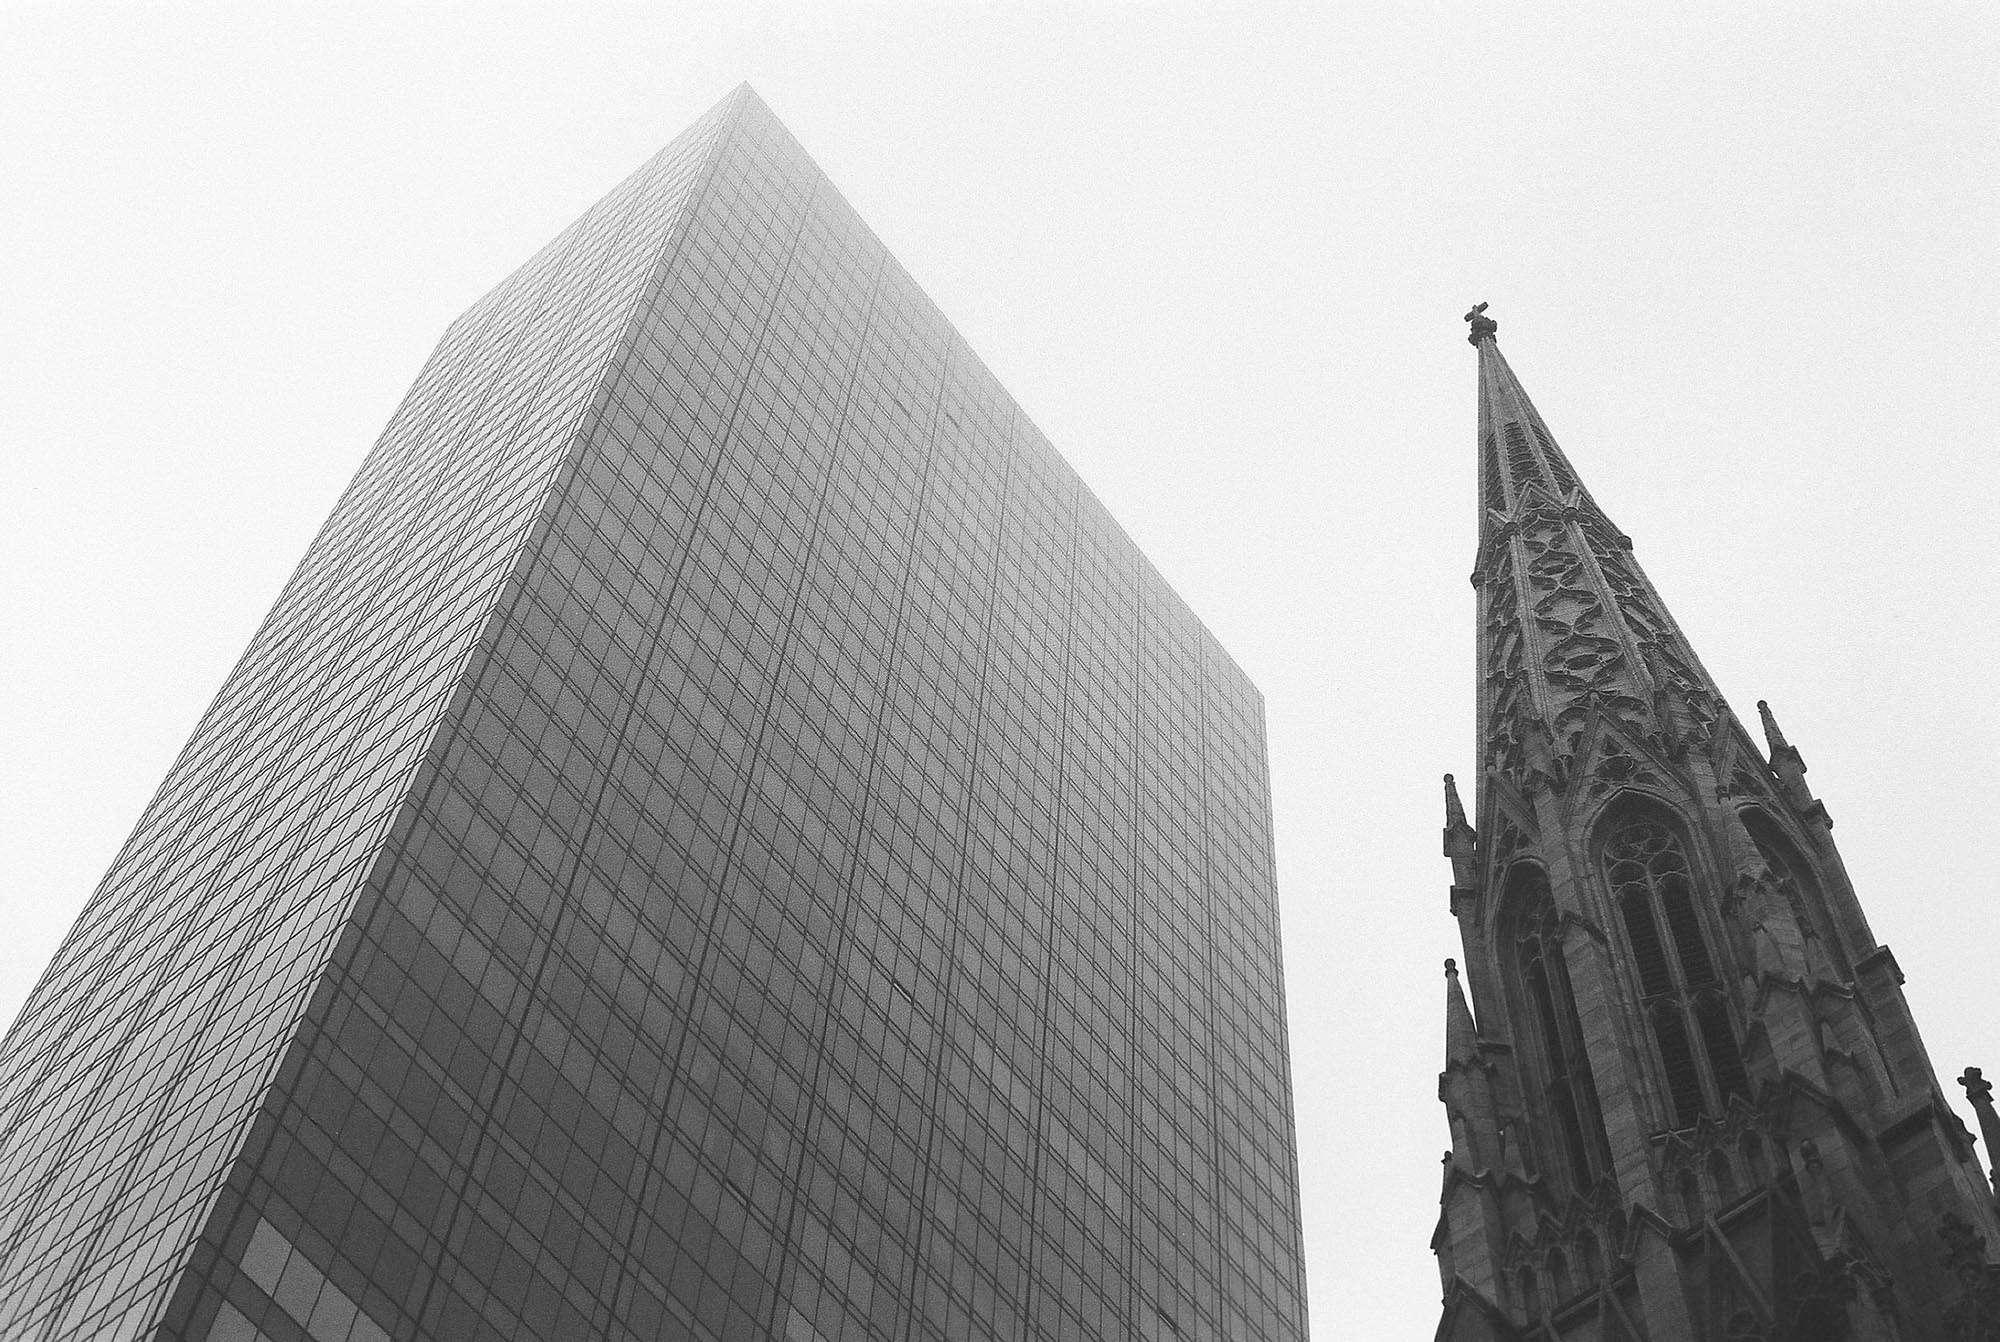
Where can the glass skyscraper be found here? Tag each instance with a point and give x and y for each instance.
(721, 837)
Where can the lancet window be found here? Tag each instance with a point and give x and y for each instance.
(1541, 979)
(1646, 866)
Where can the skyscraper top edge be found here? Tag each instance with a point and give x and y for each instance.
(712, 132)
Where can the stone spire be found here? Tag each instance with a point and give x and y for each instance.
(1572, 633)
(1678, 999)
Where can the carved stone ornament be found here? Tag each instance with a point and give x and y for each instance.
(1616, 768)
(1583, 663)
(1508, 707)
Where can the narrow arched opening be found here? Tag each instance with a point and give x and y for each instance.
(1544, 1009)
(1755, 1160)
(1560, 1285)
(1530, 1290)
(1651, 882)
(1693, 1206)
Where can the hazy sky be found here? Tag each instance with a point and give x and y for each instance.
(1743, 257)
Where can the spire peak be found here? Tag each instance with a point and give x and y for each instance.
(1483, 326)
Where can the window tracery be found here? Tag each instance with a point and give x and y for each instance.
(1541, 976)
(1646, 867)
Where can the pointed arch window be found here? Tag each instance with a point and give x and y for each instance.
(1546, 1009)
(1646, 866)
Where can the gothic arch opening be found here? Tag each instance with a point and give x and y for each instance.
(1652, 883)
(1689, 1187)
(1560, 1285)
(1556, 1065)
(1755, 1161)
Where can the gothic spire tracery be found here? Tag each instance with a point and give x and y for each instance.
(1688, 1048)
(1572, 630)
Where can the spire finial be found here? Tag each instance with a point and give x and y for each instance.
(1483, 326)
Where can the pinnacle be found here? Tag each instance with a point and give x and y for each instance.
(1461, 1036)
(1571, 628)
(1454, 809)
(1774, 736)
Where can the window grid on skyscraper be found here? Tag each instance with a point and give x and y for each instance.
(721, 835)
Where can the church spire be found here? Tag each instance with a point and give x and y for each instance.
(1574, 638)
(1678, 998)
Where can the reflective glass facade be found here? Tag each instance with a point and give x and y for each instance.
(722, 837)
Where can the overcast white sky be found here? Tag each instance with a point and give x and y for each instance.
(1744, 258)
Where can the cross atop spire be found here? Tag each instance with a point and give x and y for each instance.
(1483, 326)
